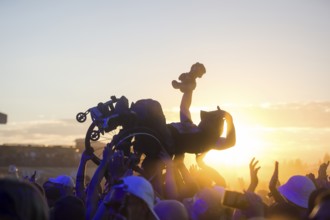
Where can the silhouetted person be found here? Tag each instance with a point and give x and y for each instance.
(197, 139)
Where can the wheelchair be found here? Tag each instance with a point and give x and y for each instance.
(121, 128)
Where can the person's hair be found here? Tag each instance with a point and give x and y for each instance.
(52, 194)
(21, 200)
(211, 202)
(69, 207)
(171, 210)
(283, 209)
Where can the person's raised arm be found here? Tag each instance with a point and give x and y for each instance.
(212, 173)
(92, 193)
(273, 186)
(171, 190)
(253, 175)
(230, 139)
(322, 178)
(80, 178)
(191, 186)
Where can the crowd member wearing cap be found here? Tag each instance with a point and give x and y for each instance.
(56, 188)
(297, 191)
(132, 199)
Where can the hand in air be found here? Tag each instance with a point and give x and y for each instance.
(118, 165)
(274, 180)
(253, 175)
(323, 171)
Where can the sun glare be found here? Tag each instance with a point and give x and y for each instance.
(247, 146)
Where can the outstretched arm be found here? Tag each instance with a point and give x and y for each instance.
(253, 175)
(212, 173)
(273, 186)
(230, 139)
(171, 190)
(92, 195)
(80, 179)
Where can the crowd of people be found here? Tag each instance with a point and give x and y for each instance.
(197, 193)
(175, 192)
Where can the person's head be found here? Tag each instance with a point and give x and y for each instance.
(206, 205)
(297, 190)
(198, 69)
(313, 198)
(13, 171)
(171, 210)
(21, 200)
(65, 182)
(58, 187)
(283, 211)
(67, 208)
(212, 122)
(321, 210)
(133, 198)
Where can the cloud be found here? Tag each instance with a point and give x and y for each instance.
(44, 132)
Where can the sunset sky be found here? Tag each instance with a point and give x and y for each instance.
(267, 62)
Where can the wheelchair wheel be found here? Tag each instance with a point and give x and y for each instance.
(96, 140)
(144, 143)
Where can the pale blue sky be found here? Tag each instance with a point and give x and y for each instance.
(61, 57)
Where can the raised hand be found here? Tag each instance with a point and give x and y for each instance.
(274, 181)
(253, 175)
(323, 171)
(33, 177)
(118, 165)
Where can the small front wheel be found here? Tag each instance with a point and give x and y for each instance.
(81, 117)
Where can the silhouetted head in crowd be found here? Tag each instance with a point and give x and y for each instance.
(321, 210)
(283, 211)
(312, 198)
(297, 190)
(56, 188)
(205, 205)
(171, 210)
(68, 208)
(21, 201)
(133, 199)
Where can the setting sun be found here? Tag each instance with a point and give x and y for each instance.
(248, 145)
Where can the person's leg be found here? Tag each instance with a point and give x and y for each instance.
(186, 99)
